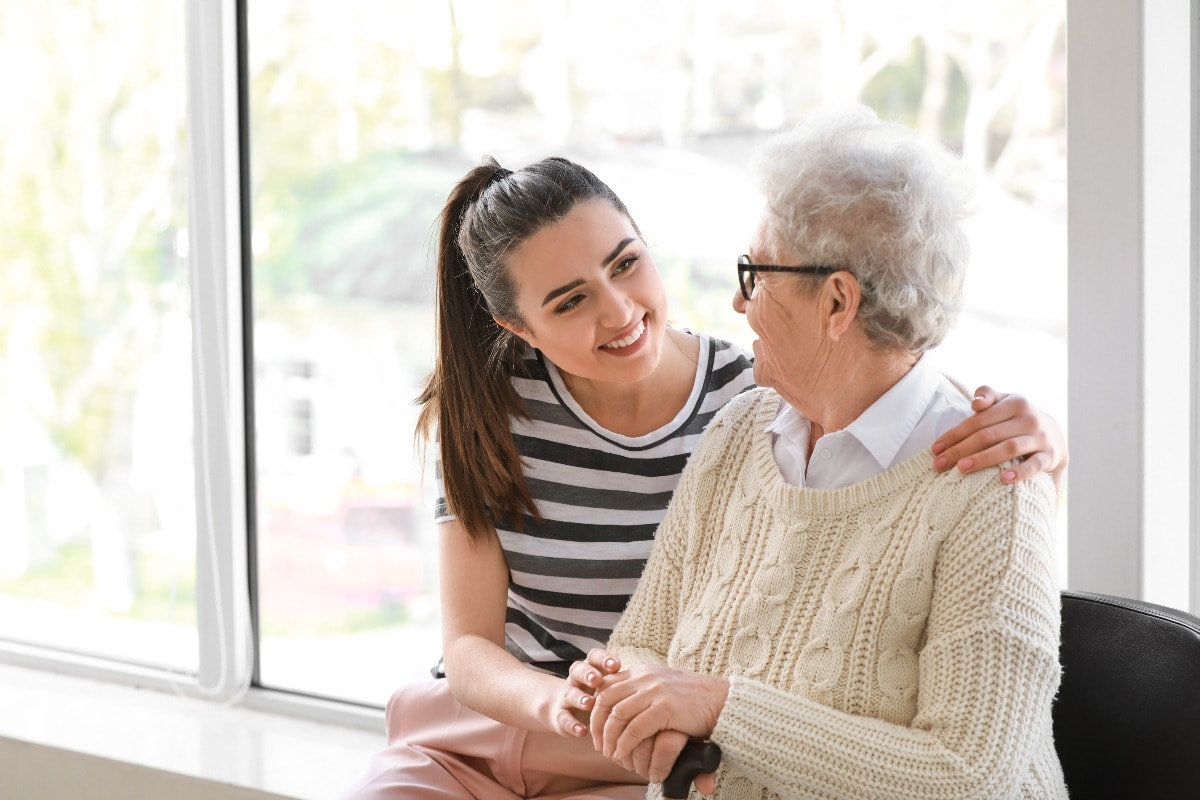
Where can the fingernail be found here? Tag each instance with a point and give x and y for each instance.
(586, 700)
(966, 464)
(1008, 475)
(940, 463)
(592, 677)
(610, 663)
(938, 447)
(578, 729)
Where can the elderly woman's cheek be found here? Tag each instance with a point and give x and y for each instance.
(763, 375)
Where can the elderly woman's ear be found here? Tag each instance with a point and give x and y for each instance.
(844, 296)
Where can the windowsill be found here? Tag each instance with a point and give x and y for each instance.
(250, 750)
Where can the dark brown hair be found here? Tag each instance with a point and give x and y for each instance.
(469, 396)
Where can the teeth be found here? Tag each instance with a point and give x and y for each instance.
(628, 340)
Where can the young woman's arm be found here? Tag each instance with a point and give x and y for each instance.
(482, 674)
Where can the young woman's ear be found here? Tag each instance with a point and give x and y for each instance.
(516, 329)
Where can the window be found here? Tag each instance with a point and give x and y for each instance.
(360, 119)
(97, 521)
(363, 117)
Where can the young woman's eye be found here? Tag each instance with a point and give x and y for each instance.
(625, 264)
(568, 304)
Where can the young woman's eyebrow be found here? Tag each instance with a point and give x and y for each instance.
(608, 259)
(561, 290)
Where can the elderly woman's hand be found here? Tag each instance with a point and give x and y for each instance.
(1004, 427)
(654, 757)
(633, 706)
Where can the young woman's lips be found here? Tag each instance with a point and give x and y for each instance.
(627, 342)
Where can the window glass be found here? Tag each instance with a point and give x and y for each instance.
(365, 115)
(97, 529)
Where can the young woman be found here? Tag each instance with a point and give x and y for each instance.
(565, 408)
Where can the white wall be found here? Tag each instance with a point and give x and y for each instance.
(1132, 246)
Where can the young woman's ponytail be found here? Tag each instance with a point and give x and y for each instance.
(469, 396)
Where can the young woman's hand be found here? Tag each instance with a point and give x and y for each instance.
(578, 695)
(1004, 427)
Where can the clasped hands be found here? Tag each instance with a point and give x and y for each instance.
(641, 718)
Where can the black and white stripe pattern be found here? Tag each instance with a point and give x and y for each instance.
(601, 496)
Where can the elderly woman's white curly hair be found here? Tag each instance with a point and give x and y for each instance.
(847, 189)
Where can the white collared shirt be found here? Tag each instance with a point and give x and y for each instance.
(908, 418)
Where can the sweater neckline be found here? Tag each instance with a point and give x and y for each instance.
(769, 484)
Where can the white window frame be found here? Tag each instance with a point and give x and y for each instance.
(216, 163)
(218, 389)
(1193, 103)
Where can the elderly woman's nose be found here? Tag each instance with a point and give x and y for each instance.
(739, 302)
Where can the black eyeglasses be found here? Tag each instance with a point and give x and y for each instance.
(746, 271)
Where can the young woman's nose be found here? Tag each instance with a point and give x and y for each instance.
(616, 308)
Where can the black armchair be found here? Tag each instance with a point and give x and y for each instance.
(1127, 715)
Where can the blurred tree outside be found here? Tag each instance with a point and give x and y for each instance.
(93, 289)
(366, 94)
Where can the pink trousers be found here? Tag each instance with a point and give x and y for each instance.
(439, 749)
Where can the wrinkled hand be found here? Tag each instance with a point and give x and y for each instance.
(654, 757)
(631, 707)
(1004, 427)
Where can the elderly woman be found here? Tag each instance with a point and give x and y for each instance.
(841, 619)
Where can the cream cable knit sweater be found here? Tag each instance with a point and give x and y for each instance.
(892, 639)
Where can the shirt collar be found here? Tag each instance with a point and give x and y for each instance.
(888, 422)
(787, 420)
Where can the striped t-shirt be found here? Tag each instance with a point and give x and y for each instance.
(601, 496)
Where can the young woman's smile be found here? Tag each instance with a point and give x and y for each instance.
(624, 345)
